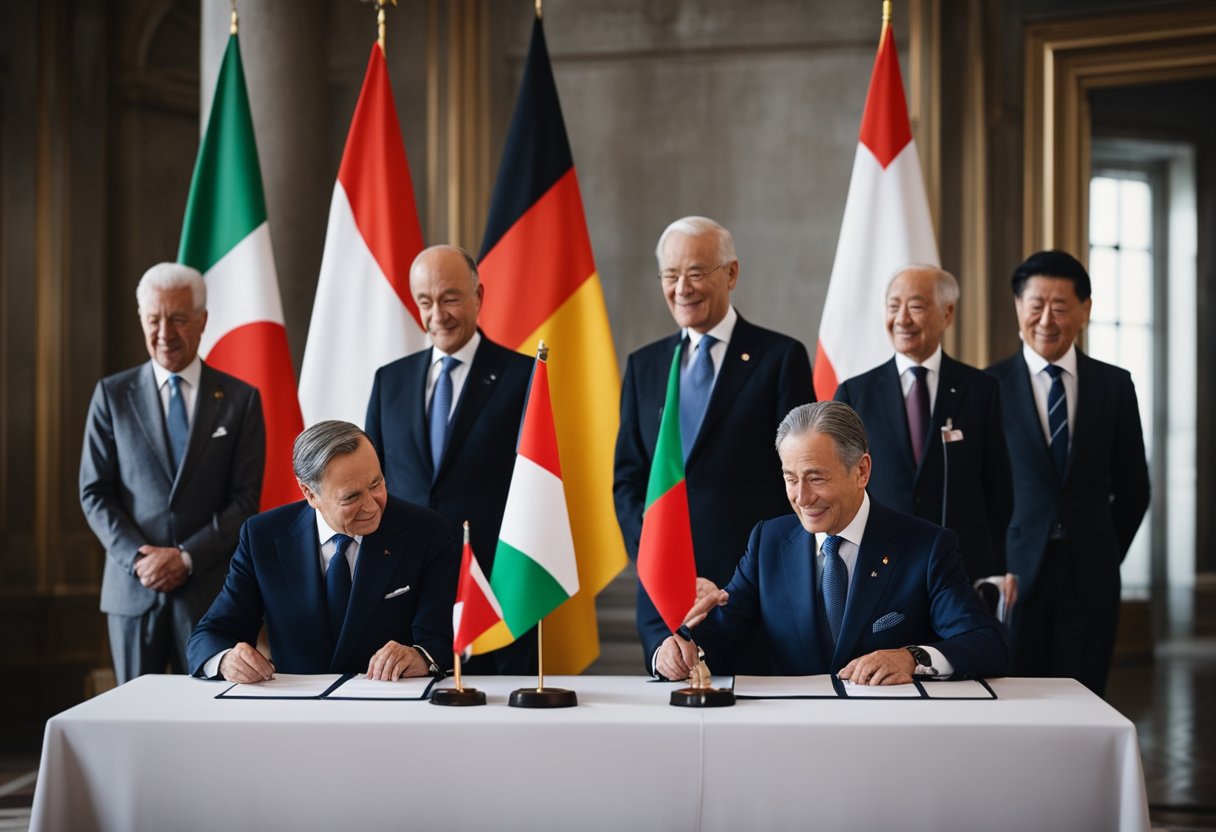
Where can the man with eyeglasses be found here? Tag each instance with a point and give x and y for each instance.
(737, 381)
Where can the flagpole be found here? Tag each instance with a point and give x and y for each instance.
(886, 18)
(538, 11)
(233, 27)
(381, 21)
(458, 696)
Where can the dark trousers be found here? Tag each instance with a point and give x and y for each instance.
(150, 642)
(1065, 626)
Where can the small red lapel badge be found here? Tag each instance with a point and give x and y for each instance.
(885, 560)
(218, 394)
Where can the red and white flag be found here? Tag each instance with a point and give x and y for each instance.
(363, 316)
(886, 226)
(476, 609)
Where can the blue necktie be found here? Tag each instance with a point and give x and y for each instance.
(834, 584)
(179, 427)
(1057, 419)
(337, 584)
(441, 408)
(696, 383)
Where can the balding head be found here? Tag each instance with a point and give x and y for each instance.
(446, 287)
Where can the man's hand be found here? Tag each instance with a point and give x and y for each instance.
(1010, 588)
(393, 660)
(708, 597)
(161, 568)
(244, 664)
(676, 659)
(882, 667)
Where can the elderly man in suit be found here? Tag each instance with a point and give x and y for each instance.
(171, 467)
(737, 381)
(845, 585)
(934, 426)
(1080, 477)
(348, 580)
(445, 420)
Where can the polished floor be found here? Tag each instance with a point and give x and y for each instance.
(1170, 696)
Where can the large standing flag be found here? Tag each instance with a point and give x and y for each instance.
(541, 283)
(535, 570)
(226, 237)
(666, 563)
(363, 316)
(476, 609)
(886, 226)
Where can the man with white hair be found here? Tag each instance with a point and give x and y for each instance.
(171, 467)
(737, 381)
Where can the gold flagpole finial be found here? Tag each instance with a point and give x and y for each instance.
(381, 18)
(886, 15)
(232, 26)
(538, 10)
(542, 351)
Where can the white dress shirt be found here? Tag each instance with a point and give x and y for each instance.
(189, 386)
(717, 352)
(459, 373)
(904, 365)
(1040, 383)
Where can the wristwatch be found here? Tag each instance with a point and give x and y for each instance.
(923, 660)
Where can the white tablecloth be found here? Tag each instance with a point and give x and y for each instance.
(161, 753)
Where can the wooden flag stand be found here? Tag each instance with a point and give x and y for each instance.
(459, 695)
(541, 696)
(699, 693)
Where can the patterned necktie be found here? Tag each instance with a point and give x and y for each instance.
(179, 427)
(917, 404)
(337, 584)
(696, 383)
(441, 408)
(1057, 419)
(834, 584)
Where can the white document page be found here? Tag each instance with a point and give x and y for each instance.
(853, 691)
(360, 687)
(285, 685)
(772, 687)
(960, 689)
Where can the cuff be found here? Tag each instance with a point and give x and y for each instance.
(211, 668)
(189, 561)
(431, 666)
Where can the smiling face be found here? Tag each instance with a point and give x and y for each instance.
(172, 327)
(915, 318)
(1050, 315)
(442, 286)
(351, 495)
(698, 305)
(824, 493)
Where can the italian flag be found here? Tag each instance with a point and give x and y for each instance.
(534, 566)
(666, 565)
(363, 316)
(476, 609)
(226, 237)
(886, 226)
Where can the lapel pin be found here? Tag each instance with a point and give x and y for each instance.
(218, 394)
(952, 390)
(746, 356)
(873, 574)
(387, 552)
(885, 560)
(493, 377)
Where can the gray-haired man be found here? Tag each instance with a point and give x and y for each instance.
(171, 467)
(348, 580)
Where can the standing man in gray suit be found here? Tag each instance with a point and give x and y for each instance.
(171, 467)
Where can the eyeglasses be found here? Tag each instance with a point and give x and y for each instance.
(693, 276)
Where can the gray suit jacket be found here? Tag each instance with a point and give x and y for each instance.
(131, 496)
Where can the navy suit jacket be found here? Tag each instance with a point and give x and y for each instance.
(922, 585)
(475, 472)
(732, 473)
(276, 575)
(980, 498)
(1105, 491)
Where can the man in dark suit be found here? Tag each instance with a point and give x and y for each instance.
(934, 426)
(456, 459)
(348, 580)
(885, 598)
(171, 467)
(1080, 478)
(737, 381)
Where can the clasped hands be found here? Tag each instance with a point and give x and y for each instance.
(161, 568)
(246, 665)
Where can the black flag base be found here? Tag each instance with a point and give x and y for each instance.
(542, 698)
(452, 696)
(703, 697)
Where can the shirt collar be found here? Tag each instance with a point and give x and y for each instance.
(856, 528)
(933, 363)
(464, 354)
(324, 532)
(1036, 363)
(190, 374)
(724, 329)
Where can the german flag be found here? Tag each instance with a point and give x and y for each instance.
(541, 283)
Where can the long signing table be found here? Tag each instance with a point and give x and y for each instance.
(161, 753)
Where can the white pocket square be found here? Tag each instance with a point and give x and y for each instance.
(397, 592)
(220, 431)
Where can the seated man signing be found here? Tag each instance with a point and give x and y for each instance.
(846, 585)
(348, 580)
